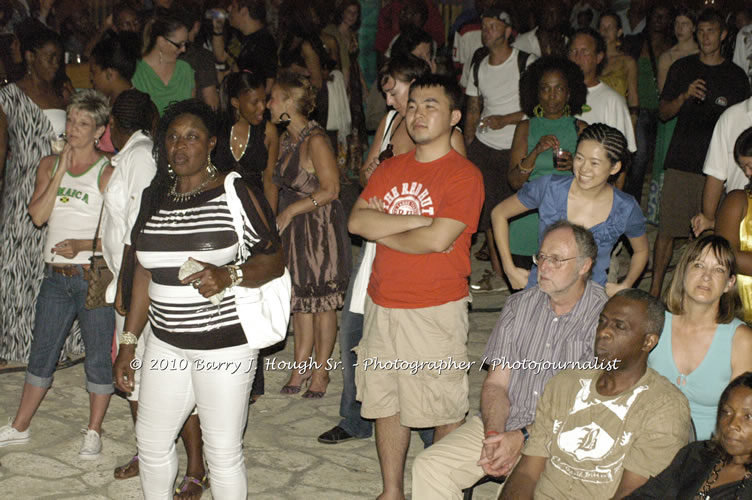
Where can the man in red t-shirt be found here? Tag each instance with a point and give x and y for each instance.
(421, 208)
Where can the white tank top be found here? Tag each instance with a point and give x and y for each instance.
(76, 212)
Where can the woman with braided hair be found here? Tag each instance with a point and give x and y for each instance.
(588, 199)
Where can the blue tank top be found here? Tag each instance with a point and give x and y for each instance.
(702, 387)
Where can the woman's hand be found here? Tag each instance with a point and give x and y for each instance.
(518, 277)
(68, 248)
(123, 368)
(210, 280)
(546, 142)
(614, 288)
(371, 168)
(283, 220)
(66, 158)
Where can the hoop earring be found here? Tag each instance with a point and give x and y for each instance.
(538, 111)
(170, 171)
(210, 168)
(284, 122)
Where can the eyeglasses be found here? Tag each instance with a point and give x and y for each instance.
(555, 261)
(178, 46)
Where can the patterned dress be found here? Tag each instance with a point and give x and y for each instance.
(316, 243)
(21, 244)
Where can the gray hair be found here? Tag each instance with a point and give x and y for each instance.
(92, 102)
(655, 311)
(586, 246)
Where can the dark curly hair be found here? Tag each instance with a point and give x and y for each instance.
(154, 195)
(533, 74)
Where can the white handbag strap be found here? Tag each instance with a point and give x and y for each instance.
(239, 217)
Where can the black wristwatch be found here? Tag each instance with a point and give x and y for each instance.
(525, 434)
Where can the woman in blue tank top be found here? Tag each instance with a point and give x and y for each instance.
(703, 345)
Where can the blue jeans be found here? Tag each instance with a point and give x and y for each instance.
(350, 333)
(646, 130)
(61, 300)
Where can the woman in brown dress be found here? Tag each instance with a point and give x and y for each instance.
(312, 223)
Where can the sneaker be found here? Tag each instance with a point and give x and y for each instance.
(9, 435)
(489, 283)
(335, 435)
(91, 446)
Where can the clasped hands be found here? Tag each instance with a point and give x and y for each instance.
(500, 453)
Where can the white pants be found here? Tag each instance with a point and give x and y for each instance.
(173, 380)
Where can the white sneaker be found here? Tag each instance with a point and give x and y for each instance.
(91, 446)
(10, 435)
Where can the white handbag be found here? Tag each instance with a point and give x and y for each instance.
(264, 311)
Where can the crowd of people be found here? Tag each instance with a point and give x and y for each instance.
(217, 162)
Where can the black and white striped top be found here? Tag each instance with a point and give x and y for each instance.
(201, 228)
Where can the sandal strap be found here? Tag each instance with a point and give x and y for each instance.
(187, 480)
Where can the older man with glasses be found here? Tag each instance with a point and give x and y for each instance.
(540, 330)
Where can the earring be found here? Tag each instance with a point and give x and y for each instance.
(567, 110)
(284, 119)
(538, 111)
(96, 143)
(170, 171)
(160, 56)
(210, 168)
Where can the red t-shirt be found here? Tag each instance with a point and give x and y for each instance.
(451, 188)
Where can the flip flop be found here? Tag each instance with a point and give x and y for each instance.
(188, 480)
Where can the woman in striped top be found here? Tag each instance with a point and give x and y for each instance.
(198, 354)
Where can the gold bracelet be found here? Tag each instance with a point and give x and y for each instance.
(128, 338)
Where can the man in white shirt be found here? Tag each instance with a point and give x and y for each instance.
(587, 49)
(493, 112)
(720, 168)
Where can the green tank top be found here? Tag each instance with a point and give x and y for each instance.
(646, 87)
(523, 232)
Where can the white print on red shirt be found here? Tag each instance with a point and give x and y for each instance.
(412, 199)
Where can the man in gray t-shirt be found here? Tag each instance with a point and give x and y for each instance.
(540, 331)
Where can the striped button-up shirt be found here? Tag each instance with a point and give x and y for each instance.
(536, 343)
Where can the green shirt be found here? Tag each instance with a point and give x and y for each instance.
(179, 88)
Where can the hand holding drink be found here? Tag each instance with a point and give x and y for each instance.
(562, 159)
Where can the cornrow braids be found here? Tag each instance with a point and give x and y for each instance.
(133, 111)
(612, 140)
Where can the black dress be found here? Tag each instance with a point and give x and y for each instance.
(252, 162)
(251, 167)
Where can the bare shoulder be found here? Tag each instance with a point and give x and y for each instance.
(743, 338)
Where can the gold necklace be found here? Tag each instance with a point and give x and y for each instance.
(704, 493)
(181, 197)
